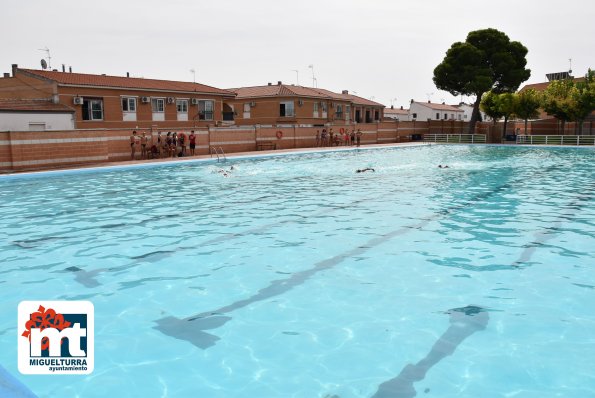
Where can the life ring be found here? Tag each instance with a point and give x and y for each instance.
(342, 130)
(279, 134)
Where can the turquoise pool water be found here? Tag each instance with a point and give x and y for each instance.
(294, 276)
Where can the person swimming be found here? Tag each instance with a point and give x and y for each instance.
(364, 170)
(443, 167)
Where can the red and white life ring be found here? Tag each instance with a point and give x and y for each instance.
(279, 134)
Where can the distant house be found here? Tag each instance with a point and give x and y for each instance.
(101, 101)
(429, 111)
(396, 113)
(35, 115)
(468, 111)
(288, 105)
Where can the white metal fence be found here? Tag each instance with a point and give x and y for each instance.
(456, 138)
(556, 139)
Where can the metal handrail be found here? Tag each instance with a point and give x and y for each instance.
(456, 138)
(575, 140)
(216, 150)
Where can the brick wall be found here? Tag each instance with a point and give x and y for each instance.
(51, 149)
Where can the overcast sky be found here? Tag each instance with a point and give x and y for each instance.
(379, 49)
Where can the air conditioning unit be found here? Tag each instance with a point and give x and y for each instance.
(145, 100)
(78, 100)
(170, 100)
(194, 101)
(252, 104)
(300, 102)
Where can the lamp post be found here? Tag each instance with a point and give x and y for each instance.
(193, 75)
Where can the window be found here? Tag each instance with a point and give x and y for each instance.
(286, 109)
(459, 116)
(128, 104)
(158, 105)
(347, 112)
(339, 111)
(445, 116)
(376, 115)
(182, 106)
(315, 112)
(437, 116)
(92, 109)
(205, 110)
(246, 114)
(414, 115)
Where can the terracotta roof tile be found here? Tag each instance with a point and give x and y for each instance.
(82, 79)
(29, 105)
(285, 90)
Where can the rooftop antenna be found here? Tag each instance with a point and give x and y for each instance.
(429, 95)
(47, 51)
(313, 78)
(570, 62)
(193, 75)
(297, 76)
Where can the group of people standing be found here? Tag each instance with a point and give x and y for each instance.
(341, 138)
(169, 145)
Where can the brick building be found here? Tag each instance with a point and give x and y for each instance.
(117, 102)
(289, 105)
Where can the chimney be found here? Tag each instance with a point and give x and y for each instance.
(14, 69)
(103, 74)
(127, 74)
(345, 92)
(429, 102)
(412, 100)
(70, 69)
(401, 107)
(6, 74)
(279, 83)
(270, 84)
(54, 70)
(443, 103)
(392, 107)
(63, 68)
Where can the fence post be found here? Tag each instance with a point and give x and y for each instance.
(546, 140)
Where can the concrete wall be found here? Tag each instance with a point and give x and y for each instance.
(21, 121)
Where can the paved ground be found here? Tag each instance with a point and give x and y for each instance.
(228, 155)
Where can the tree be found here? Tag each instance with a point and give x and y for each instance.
(570, 101)
(506, 105)
(527, 105)
(556, 100)
(489, 105)
(487, 60)
(582, 100)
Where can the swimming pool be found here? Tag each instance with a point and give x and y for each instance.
(294, 276)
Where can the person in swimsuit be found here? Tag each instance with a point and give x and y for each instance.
(192, 140)
(143, 145)
(133, 139)
(358, 137)
(364, 170)
(182, 142)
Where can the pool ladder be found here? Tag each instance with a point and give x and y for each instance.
(219, 152)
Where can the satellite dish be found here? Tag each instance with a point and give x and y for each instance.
(44, 65)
